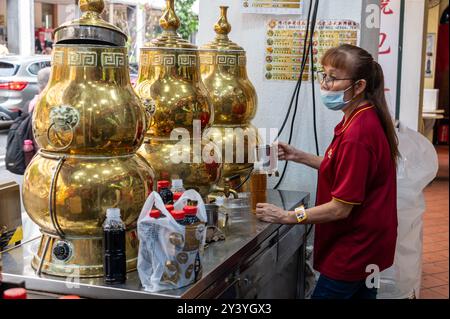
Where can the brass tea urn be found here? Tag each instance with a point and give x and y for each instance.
(89, 124)
(223, 71)
(169, 84)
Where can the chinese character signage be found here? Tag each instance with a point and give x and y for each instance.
(389, 48)
(272, 6)
(284, 45)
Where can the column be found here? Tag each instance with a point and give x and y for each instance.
(21, 26)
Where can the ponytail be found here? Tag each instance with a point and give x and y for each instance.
(376, 95)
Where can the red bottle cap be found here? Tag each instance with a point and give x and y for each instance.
(190, 210)
(177, 195)
(178, 214)
(170, 208)
(163, 184)
(15, 293)
(70, 297)
(155, 213)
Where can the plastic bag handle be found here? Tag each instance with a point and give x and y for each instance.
(154, 199)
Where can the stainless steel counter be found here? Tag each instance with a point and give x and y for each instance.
(253, 254)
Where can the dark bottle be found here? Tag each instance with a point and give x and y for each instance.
(114, 264)
(179, 216)
(191, 215)
(165, 192)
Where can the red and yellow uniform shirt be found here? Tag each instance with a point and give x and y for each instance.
(357, 169)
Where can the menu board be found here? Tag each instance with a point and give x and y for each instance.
(273, 6)
(285, 41)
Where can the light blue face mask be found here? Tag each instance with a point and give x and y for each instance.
(334, 100)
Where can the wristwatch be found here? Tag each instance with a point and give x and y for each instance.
(300, 214)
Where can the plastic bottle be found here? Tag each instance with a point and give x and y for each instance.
(191, 215)
(177, 186)
(165, 193)
(258, 187)
(114, 247)
(179, 216)
(28, 149)
(15, 293)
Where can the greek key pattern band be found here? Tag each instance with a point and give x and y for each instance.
(90, 59)
(223, 60)
(58, 57)
(113, 59)
(168, 59)
(86, 59)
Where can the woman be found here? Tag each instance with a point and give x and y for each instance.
(355, 212)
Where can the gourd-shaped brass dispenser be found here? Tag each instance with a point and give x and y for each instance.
(89, 124)
(170, 86)
(223, 71)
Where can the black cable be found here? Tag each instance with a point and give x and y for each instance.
(313, 73)
(297, 91)
(298, 84)
(309, 229)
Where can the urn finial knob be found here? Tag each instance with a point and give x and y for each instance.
(96, 6)
(223, 26)
(169, 20)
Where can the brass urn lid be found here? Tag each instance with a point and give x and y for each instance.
(90, 28)
(169, 39)
(222, 29)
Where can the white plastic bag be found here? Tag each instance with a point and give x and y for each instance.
(170, 253)
(417, 167)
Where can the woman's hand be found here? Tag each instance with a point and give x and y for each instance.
(271, 214)
(287, 152)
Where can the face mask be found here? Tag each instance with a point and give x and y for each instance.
(334, 100)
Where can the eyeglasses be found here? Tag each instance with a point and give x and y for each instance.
(322, 77)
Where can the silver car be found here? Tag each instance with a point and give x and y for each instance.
(18, 84)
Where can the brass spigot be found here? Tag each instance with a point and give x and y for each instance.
(226, 190)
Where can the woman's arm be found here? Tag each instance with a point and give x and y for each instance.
(331, 211)
(310, 160)
(287, 152)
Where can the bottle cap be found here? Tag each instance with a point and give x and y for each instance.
(178, 214)
(15, 293)
(190, 210)
(177, 183)
(177, 195)
(163, 184)
(170, 208)
(113, 213)
(28, 142)
(155, 213)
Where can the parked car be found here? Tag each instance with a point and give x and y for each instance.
(18, 83)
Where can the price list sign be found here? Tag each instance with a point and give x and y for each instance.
(285, 40)
(273, 6)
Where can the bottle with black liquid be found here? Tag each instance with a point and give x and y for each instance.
(165, 192)
(115, 268)
(191, 215)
